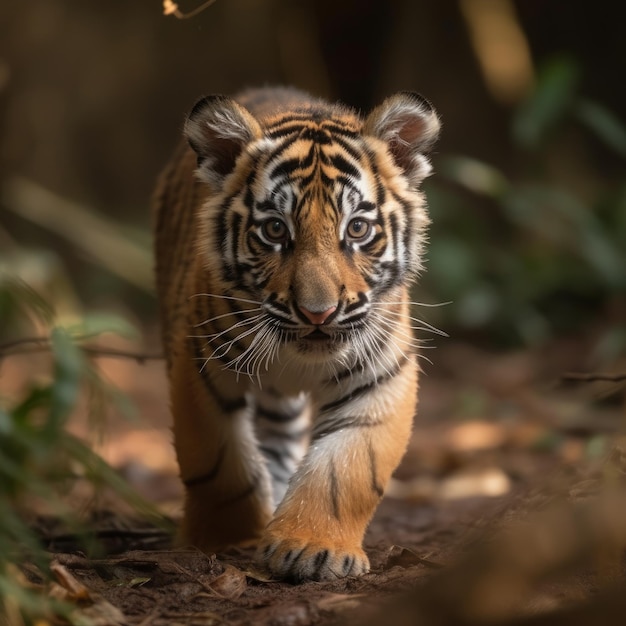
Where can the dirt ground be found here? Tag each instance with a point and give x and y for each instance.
(498, 438)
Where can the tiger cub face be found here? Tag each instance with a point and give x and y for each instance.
(314, 215)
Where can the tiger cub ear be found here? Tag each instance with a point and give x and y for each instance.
(217, 129)
(409, 126)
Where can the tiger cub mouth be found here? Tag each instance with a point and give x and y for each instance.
(318, 335)
(320, 342)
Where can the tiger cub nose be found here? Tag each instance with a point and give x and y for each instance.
(317, 317)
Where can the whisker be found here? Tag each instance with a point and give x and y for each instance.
(402, 332)
(407, 340)
(261, 351)
(239, 324)
(223, 349)
(219, 317)
(425, 325)
(223, 297)
(386, 359)
(399, 336)
(431, 305)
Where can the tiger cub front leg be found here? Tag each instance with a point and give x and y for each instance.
(227, 486)
(317, 530)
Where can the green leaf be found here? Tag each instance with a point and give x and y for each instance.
(6, 424)
(606, 126)
(26, 297)
(477, 306)
(94, 324)
(69, 363)
(452, 265)
(474, 175)
(98, 470)
(37, 398)
(597, 248)
(548, 105)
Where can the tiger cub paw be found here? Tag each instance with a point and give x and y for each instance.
(297, 560)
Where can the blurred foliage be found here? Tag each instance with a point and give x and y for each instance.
(543, 253)
(40, 461)
(523, 257)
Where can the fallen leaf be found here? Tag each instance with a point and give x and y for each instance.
(338, 602)
(261, 577)
(491, 482)
(404, 557)
(476, 435)
(68, 586)
(93, 609)
(421, 488)
(231, 584)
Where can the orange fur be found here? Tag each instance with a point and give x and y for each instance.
(283, 266)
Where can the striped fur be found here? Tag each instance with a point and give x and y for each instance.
(283, 268)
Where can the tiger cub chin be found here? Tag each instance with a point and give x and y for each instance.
(288, 231)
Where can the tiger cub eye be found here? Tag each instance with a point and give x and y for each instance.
(358, 228)
(275, 230)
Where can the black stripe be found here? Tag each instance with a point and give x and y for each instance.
(320, 136)
(297, 557)
(285, 168)
(343, 165)
(211, 474)
(221, 221)
(266, 205)
(226, 405)
(285, 131)
(257, 246)
(348, 147)
(277, 304)
(368, 248)
(357, 393)
(348, 563)
(335, 425)
(352, 319)
(319, 561)
(375, 485)
(358, 368)
(276, 456)
(287, 436)
(372, 282)
(279, 150)
(395, 232)
(362, 299)
(275, 416)
(246, 493)
(297, 123)
(381, 192)
(408, 225)
(235, 226)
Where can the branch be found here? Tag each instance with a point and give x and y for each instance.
(575, 377)
(171, 8)
(28, 345)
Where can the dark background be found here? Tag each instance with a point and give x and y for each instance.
(93, 95)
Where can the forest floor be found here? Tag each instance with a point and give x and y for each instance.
(498, 439)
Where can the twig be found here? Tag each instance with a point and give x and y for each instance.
(29, 345)
(108, 533)
(592, 378)
(171, 8)
(9, 345)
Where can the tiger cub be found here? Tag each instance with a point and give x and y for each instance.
(288, 231)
